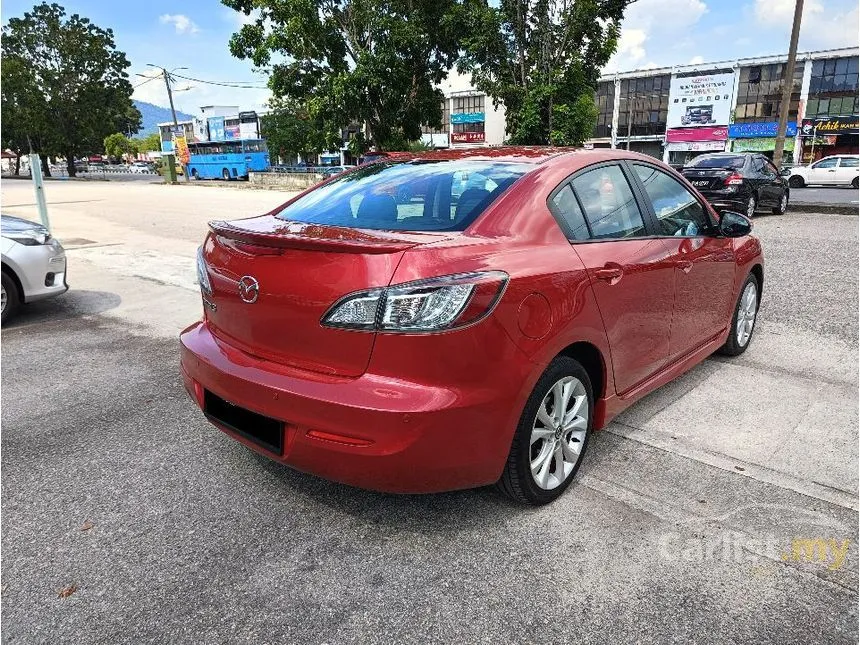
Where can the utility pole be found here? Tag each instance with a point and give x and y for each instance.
(788, 82)
(166, 76)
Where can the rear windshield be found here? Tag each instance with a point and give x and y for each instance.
(726, 161)
(407, 196)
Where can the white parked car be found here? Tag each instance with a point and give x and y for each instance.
(34, 264)
(837, 170)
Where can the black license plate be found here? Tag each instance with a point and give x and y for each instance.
(262, 430)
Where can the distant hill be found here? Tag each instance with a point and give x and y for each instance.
(154, 114)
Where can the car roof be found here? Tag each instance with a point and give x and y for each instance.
(520, 154)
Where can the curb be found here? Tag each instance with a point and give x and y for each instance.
(827, 209)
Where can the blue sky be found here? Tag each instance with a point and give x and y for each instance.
(194, 34)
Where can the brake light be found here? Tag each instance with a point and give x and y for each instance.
(734, 180)
(437, 304)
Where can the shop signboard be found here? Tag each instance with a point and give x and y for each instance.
(829, 125)
(701, 100)
(473, 117)
(467, 137)
(765, 129)
(759, 144)
(708, 133)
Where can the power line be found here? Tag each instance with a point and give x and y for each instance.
(248, 85)
(150, 78)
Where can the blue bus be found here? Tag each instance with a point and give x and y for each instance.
(227, 159)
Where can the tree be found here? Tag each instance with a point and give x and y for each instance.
(149, 143)
(19, 104)
(79, 90)
(290, 129)
(117, 145)
(372, 62)
(542, 59)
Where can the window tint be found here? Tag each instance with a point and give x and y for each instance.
(567, 206)
(609, 203)
(407, 196)
(826, 163)
(678, 212)
(770, 168)
(849, 162)
(718, 161)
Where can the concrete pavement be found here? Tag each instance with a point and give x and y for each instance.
(686, 523)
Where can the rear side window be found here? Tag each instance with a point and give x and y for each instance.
(849, 162)
(609, 204)
(407, 196)
(567, 206)
(678, 212)
(826, 163)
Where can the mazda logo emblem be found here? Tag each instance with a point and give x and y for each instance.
(249, 289)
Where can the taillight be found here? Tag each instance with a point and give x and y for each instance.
(203, 274)
(437, 304)
(734, 180)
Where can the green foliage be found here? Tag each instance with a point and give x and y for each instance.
(369, 62)
(291, 129)
(67, 84)
(149, 143)
(542, 59)
(117, 145)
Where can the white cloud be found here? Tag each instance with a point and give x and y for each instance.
(182, 24)
(660, 22)
(819, 28)
(696, 60)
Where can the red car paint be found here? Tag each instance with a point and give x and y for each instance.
(405, 412)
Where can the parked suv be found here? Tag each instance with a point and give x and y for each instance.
(742, 181)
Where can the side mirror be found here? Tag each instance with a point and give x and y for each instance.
(734, 224)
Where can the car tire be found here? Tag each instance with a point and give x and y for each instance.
(194, 175)
(782, 207)
(518, 480)
(796, 181)
(752, 204)
(738, 342)
(225, 174)
(11, 298)
(855, 182)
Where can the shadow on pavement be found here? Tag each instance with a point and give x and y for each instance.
(72, 304)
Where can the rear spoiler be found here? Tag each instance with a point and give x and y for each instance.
(318, 237)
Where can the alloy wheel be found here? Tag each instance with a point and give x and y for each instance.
(3, 299)
(783, 203)
(751, 207)
(747, 309)
(558, 433)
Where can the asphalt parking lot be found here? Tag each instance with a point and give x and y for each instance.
(128, 518)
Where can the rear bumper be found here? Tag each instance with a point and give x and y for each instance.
(374, 431)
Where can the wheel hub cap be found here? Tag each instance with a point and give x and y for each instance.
(747, 309)
(558, 433)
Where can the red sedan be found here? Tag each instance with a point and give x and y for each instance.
(463, 318)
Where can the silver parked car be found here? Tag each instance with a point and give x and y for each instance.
(34, 264)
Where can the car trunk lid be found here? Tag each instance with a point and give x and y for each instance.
(273, 280)
(708, 178)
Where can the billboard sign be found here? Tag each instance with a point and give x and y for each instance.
(182, 153)
(700, 100)
(231, 132)
(216, 128)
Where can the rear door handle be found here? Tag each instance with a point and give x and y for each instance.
(609, 273)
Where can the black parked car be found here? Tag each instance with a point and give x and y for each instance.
(742, 182)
